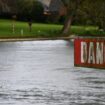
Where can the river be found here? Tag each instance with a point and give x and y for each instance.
(43, 73)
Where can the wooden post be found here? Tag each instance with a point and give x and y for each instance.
(30, 24)
(13, 23)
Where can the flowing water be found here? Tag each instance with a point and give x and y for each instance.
(43, 73)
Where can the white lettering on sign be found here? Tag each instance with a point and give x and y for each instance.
(83, 52)
(99, 53)
(92, 52)
(91, 57)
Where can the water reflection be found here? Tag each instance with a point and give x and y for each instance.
(42, 73)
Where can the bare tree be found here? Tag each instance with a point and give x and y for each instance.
(72, 7)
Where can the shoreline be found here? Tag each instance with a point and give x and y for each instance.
(71, 37)
(33, 39)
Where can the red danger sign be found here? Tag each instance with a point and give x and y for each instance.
(89, 52)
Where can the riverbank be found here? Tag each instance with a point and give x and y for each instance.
(71, 37)
(42, 30)
(33, 39)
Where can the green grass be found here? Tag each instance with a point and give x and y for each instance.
(42, 30)
(87, 31)
(38, 30)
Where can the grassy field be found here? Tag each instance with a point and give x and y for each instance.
(42, 30)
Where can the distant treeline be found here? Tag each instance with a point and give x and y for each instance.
(89, 12)
(23, 9)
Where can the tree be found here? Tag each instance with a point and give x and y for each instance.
(24, 7)
(93, 10)
(30, 9)
(37, 11)
(72, 7)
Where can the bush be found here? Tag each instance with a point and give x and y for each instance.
(37, 11)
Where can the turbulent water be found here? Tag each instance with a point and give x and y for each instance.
(43, 73)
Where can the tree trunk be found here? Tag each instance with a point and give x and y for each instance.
(67, 25)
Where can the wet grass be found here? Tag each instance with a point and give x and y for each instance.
(42, 30)
(87, 31)
(38, 30)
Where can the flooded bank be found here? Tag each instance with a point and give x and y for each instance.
(43, 73)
